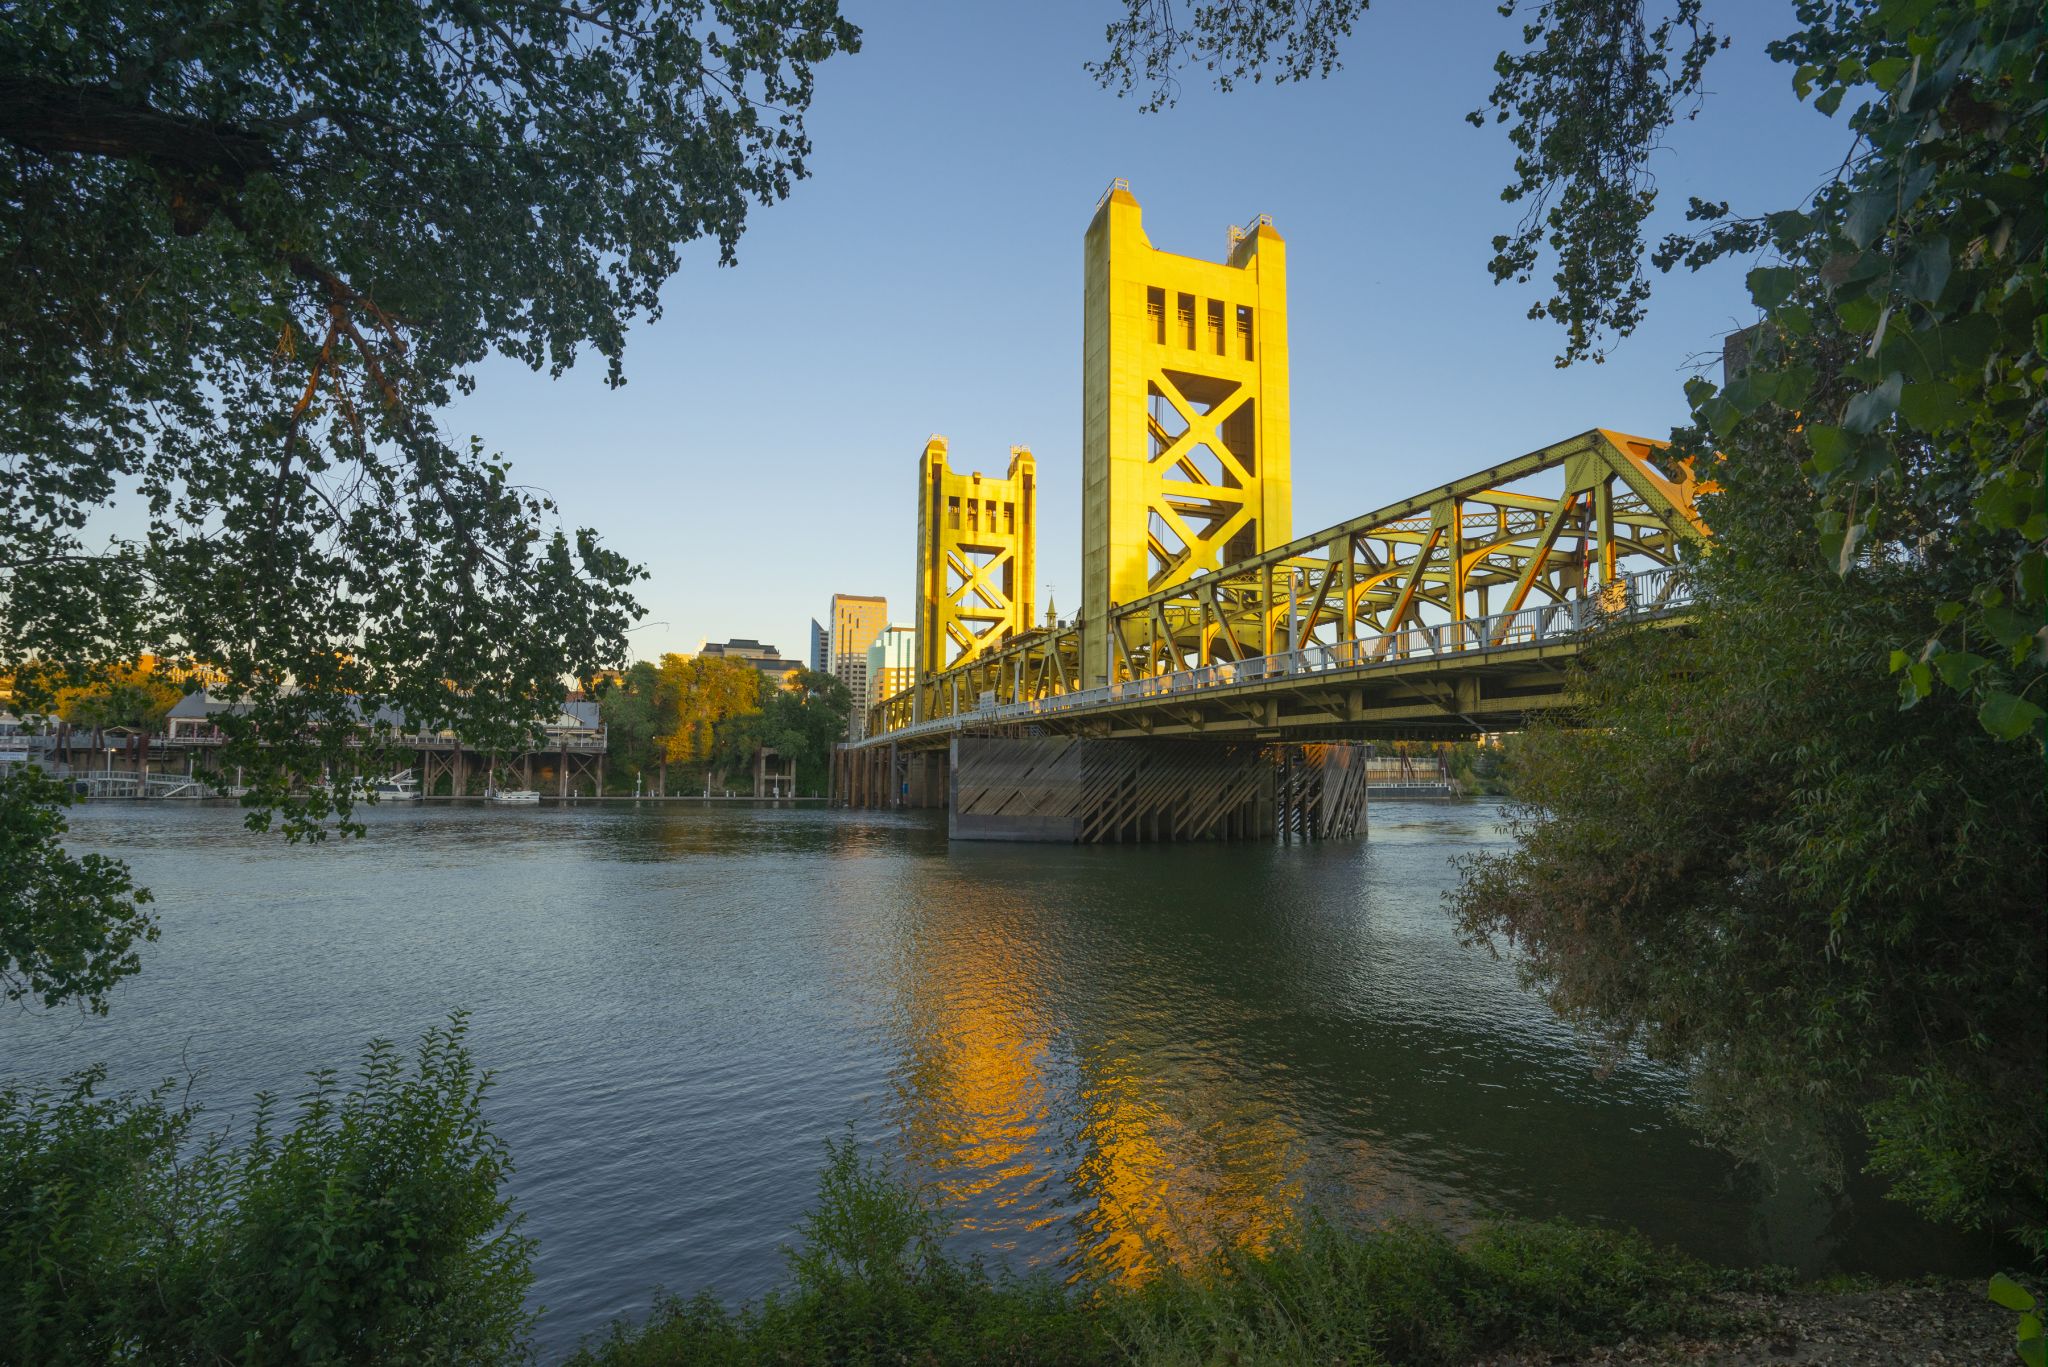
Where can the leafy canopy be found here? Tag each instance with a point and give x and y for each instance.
(252, 249)
(247, 253)
(1914, 280)
(69, 924)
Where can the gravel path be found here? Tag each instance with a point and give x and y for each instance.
(1922, 1324)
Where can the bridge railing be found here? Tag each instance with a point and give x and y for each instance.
(1632, 597)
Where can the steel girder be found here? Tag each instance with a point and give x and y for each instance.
(1559, 523)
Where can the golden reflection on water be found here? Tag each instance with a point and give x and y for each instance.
(1169, 1192)
(1154, 1151)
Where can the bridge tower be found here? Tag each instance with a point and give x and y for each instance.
(1185, 450)
(977, 541)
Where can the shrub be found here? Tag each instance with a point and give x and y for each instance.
(870, 1283)
(371, 1229)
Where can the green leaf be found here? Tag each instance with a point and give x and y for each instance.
(1965, 344)
(1885, 72)
(1958, 667)
(1698, 391)
(1900, 659)
(1721, 416)
(1901, 17)
(2008, 718)
(1750, 391)
(1868, 411)
(2009, 1293)
(1828, 445)
(1931, 408)
(1830, 100)
(1859, 314)
(1918, 683)
(1926, 272)
(1795, 384)
(1871, 209)
(1770, 286)
(1795, 320)
(1947, 613)
(2009, 628)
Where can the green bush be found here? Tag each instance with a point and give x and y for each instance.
(371, 1229)
(871, 1283)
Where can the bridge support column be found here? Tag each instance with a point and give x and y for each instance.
(1063, 789)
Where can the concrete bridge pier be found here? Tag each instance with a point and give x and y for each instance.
(1083, 791)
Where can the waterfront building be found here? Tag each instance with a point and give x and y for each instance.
(892, 665)
(566, 755)
(765, 658)
(821, 648)
(856, 620)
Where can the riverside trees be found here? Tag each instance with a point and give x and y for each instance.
(1802, 851)
(713, 713)
(249, 252)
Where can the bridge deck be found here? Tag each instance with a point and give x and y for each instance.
(1455, 679)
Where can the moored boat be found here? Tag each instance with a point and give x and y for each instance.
(402, 786)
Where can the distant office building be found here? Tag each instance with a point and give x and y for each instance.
(821, 648)
(855, 620)
(765, 658)
(892, 663)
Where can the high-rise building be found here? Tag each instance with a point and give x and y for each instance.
(892, 663)
(855, 621)
(821, 648)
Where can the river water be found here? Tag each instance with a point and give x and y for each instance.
(1102, 1057)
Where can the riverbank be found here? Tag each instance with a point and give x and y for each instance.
(870, 1282)
(1934, 1323)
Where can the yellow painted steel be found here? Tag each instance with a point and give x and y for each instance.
(977, 543)
(1555, 525)
(1185, 449)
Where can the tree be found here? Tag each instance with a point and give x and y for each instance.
(801, 718)
(249, 251)
(703, 695)
(69, 924)
(122, 695)
(1926, 245)
(634, 724)
(1740, 855)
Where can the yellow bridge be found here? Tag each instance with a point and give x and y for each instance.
(1204, 619)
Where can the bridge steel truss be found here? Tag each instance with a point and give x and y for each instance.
(976, 543)
(1447, 613)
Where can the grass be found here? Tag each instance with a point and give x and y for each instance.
(869, 1283)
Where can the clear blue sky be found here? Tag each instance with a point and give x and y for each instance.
(927, 278)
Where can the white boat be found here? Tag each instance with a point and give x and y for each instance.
(512, 797)
(399, 787)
